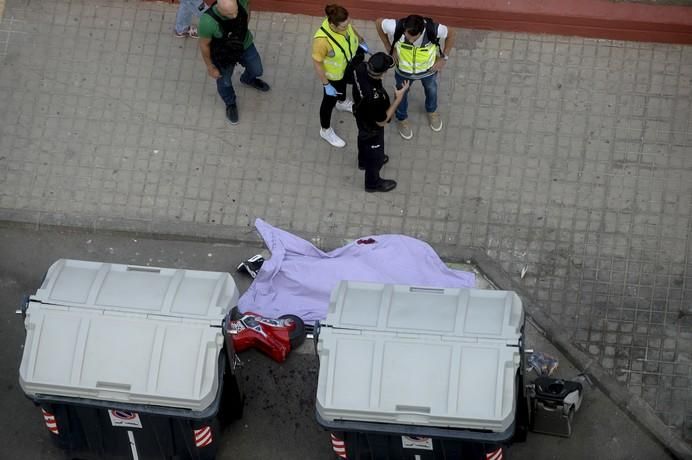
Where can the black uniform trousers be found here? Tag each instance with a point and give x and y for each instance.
(329, 102)
(370, 152)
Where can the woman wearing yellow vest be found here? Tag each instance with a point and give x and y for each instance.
(334, 45)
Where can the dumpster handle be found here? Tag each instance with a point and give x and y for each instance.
(136, 268)
(406, 408)
(23, 307)
(315, 338)
(113, 385)
(427, 290)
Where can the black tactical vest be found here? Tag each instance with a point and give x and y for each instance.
(227, 50)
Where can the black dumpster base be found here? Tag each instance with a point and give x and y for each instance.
(87, 428)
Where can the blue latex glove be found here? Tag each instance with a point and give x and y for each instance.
(365, 47)
(330, 90)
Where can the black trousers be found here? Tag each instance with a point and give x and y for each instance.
(370, 152)
(329, 102)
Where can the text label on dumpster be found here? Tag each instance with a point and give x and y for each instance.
(416, 442)
(124, 419)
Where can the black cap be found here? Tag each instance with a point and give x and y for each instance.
(380, 62)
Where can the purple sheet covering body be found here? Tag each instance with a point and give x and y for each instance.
(298, 278)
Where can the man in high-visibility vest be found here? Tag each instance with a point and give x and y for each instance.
(420, 47)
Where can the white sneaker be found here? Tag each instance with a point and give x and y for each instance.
(344, 106)
(330, 136)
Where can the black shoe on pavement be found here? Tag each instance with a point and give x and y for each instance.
(386, 160)
(384, 185)
(259, 85)
(252, 265)
(232, 114)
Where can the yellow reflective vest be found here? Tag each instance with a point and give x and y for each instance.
(415, 59)
(344, 49)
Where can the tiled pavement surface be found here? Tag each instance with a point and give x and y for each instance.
(570, 156)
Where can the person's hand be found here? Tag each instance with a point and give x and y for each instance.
(329, 90)
(399, 92)
(364, 46)
(439, 64)
(395, 56)
(214, 72)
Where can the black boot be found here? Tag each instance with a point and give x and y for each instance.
(252, 265)
(384, 185)
(259, 85)
(232, 114)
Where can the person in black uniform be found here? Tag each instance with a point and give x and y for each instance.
(373, 111)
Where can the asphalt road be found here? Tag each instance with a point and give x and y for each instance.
(278, 421)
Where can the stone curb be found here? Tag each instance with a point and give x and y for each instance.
(615, 20)
(586, 18)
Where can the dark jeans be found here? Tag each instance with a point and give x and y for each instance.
(370, 152)
(429, 87)
(253, 69)
(329, 102)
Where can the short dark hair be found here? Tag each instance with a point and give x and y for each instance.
(336, 14)
(414, 24)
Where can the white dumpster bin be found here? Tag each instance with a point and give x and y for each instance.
(128, 360)
(420, 373)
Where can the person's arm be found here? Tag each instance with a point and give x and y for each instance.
(320, 49)
(398, 97)
(319, 70)
(383, 35)
(361, 39)
(449, 41)
(205, 51)
(449, 44)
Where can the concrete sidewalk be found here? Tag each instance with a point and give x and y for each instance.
(568, 156)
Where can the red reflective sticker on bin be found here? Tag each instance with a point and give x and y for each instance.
(51, 424)
(338, 446)
(494, 455)
(203, 436)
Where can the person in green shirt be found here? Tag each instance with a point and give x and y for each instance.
(224, 41)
